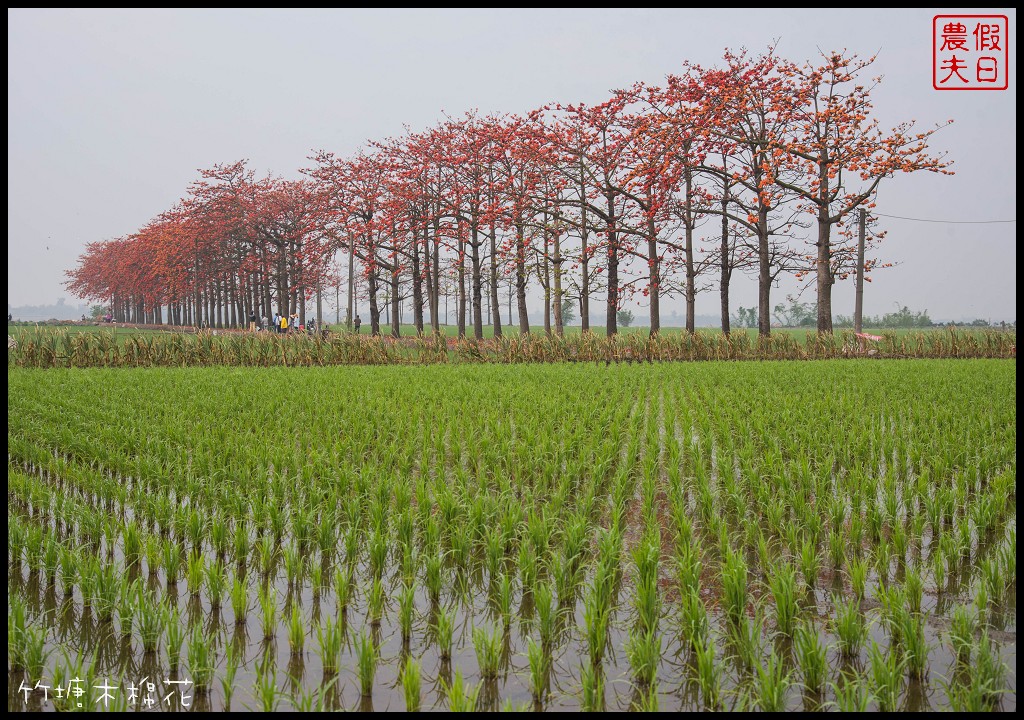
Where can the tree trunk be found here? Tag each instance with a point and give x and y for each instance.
(691, 275)
(654, 263)
(462, 287)
(547, 291)
(197, 304)
(241, 294)
(254, 291)
(557, 272)
(417, 286)
(764, 277)
(495, 305)
(371, 279)
(435, 308)
(350, 311)
(524, 320)
(824, 268)
(218, 299)
(233, 300)
(319, 306)
(428, 276)
(764, 271)
(282, 283)
(478, 322)
(297, 284)
(396, 329)
(230, 306)
(584, 263)
(726, 260)
(268, 306)
(611, 325)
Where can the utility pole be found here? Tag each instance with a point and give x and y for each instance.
(351, 279)
(319, 304)
(858, 308)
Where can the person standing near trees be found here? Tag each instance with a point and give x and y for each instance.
(252, 321)
(357, 322)
(283, 324)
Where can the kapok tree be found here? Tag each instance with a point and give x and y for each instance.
(667, 148)
(354, 192)
(741, 110)
(599, 138)
(843, 154)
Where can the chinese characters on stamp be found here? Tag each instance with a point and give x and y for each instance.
(970, 52)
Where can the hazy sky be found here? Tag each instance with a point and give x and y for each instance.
(110, 114)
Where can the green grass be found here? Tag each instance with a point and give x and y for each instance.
(119, 330)
(599, 328)
(47, 347)
(452, 331)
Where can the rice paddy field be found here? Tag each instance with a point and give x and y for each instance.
(835, 534)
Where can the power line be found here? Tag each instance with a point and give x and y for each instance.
(947, 222)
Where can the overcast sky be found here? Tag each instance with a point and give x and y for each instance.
(110, 114)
